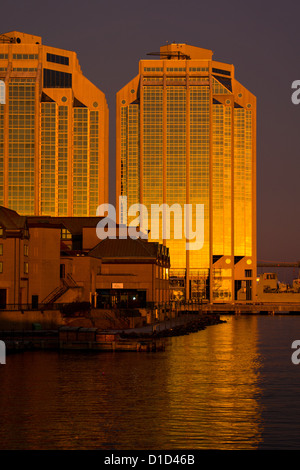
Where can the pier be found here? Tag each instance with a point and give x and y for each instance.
(139, 336)
(150, 338)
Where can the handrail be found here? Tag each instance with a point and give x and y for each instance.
(67, 283)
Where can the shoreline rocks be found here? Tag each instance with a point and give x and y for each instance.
(192, 326)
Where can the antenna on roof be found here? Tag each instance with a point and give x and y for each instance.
(170, 54)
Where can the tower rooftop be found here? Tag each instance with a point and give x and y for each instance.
(16, 37)
(184, 51)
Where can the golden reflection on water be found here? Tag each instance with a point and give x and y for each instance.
(214, 385)
(201, 393)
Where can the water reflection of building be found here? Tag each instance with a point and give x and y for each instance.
(217, 387)
(186, 134)
(48, 260)
(53, 131)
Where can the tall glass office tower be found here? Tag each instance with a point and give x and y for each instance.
(186, 134)
(53, 131)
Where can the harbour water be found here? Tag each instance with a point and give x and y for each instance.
(230, 386)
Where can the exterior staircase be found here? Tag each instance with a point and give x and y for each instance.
(66, 284)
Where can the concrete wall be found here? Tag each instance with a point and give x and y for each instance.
(13, 278)
(53, 319)
(44, 267)
(17, 320)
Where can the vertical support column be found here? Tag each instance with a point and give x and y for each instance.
(70, 157)
(37, 140)
(164, 140)
(56, 160)
(187, 252)
(118, 156)
(210, 183)
(153, 299)
(6, 131)
(254, 206)
(232, 203)
(141, 199)
(88, 163)
(103, 160)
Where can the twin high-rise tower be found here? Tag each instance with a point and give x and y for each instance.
(53, 131)
(186, 131)
(186, 134)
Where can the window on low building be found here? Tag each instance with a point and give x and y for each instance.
(65, 234)
(26, 270)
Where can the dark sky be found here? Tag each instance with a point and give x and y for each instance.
(261, 39)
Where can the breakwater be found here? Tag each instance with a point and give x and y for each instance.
(149, 338)
(184, 328)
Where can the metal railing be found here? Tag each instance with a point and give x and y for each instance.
(182, 306)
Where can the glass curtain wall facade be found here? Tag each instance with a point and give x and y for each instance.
(193, 141)
(53, 131)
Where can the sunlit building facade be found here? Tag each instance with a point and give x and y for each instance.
(53, 131)
(186, 134)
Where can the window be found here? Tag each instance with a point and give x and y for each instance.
(153, 69)
(248, 272)
(99, 270)
(1, 249)
(176, 69)
(26, 270)
(223, 72)
(56, 79)
(1, 232)
(25, 69)
(226, 82)
(1, 267)
(270, 276)
(198, 69)
(58, 59)
(25, 250)
(65, 234)
(25, 56)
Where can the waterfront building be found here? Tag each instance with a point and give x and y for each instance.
(45, 261)
(186, 134)
(53, 131)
